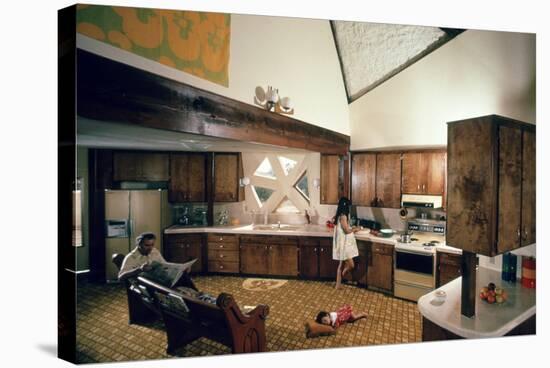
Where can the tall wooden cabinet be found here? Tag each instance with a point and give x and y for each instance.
(187, 177)
(491, 185)
(226, 177)
(388, 180)
(363, 179)
(330, 191)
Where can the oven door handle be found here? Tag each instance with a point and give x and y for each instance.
(414, 252)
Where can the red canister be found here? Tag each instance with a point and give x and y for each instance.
(528, 272)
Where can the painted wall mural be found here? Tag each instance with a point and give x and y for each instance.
(194, 42)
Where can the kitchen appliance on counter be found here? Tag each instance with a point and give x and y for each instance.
(414, 265)
(129, 213)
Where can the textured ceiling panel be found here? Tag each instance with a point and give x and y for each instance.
(370, 53)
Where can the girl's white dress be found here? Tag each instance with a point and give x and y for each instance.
(344, 245)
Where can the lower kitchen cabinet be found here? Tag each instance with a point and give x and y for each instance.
(269, 255)
(359, 273)
(327, 266)
(254, 258)
(309, 258)
(380, 266)
(180, 248)
(223, 253)
(448, 267)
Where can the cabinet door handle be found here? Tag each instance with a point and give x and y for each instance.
(221, 245)
(322, 249)
(519, 233)
(270, 247)
(187, 245)
(315, 250)
(221, 238)
(418, 187)
(221, 267)
(221, 255)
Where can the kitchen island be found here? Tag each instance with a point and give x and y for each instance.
(443, 321)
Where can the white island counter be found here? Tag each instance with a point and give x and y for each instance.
(490, 320)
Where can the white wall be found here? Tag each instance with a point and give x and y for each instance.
(297, 56)
(478, 73)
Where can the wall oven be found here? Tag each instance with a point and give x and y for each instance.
(414, 273)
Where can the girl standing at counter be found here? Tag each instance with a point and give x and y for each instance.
(344, 246)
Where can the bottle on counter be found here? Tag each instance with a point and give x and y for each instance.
(505, 274)
(512, 263)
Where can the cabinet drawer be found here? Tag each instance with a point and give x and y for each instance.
(223, 255)
(384, 249)
(212, 246)
(450, 259)
(223, 266)
(312, 242)
(225, 238)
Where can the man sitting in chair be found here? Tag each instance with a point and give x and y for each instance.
(139, 260)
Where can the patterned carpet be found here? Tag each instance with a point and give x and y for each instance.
(104, 335)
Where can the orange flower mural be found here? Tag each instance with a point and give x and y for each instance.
(193, 42)
(183, 35)
(214, 46)
(142, 26)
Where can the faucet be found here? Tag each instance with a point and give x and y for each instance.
(279, 224)
(308, 218)
(223, 218)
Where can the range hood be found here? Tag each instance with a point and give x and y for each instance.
(421, 201)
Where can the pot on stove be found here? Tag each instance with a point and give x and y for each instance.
(405, 237)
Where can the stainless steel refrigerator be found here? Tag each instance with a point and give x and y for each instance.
(129, 213)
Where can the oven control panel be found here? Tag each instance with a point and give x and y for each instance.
(427, 227)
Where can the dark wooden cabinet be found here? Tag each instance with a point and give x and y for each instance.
(269, 255)
(140, 166)
(448, 267)
(330, 191)
(309, 258)
(180, 248)
(187, 177)
(327, 266)
(491, 185)
(359, 274)
(223, 253)
(363, 179)
(424, 173)
(226, 177)
(380, 266)
(388, 180)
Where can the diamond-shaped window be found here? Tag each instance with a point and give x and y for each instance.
(286, 206)
(287, 164)
(265, 170)
(302, 186)
(262, 194)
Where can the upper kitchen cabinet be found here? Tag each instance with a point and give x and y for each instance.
(187, 177)
(388, 180)
(363, 179)
(491, 185)
(226, 177)
(140, 166)
(424, 173)
(329, 179)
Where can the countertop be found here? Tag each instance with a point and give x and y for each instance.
(301, 230)
(490, 320)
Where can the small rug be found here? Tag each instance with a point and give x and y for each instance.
(262, 284)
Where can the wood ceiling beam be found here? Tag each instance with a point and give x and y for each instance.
(111, 91)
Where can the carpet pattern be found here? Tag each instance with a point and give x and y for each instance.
(104, 335)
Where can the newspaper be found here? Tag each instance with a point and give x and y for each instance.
(167, 273)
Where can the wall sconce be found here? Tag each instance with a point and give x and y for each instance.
(271, 102)
(243, 182)
(317, 183)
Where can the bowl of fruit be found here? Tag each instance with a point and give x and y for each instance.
(493, 294)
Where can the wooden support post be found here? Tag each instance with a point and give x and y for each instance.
(210, 188)
(468, 268)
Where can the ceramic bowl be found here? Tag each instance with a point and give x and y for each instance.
(440, 296)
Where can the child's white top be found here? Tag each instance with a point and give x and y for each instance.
(333, 317)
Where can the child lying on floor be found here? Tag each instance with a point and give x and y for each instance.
(343, 315)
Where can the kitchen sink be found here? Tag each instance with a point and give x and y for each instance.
(276, 227)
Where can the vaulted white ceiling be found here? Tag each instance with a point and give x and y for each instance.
(371, 53)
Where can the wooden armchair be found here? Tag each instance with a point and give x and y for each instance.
(142, 308)
(223, 322)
